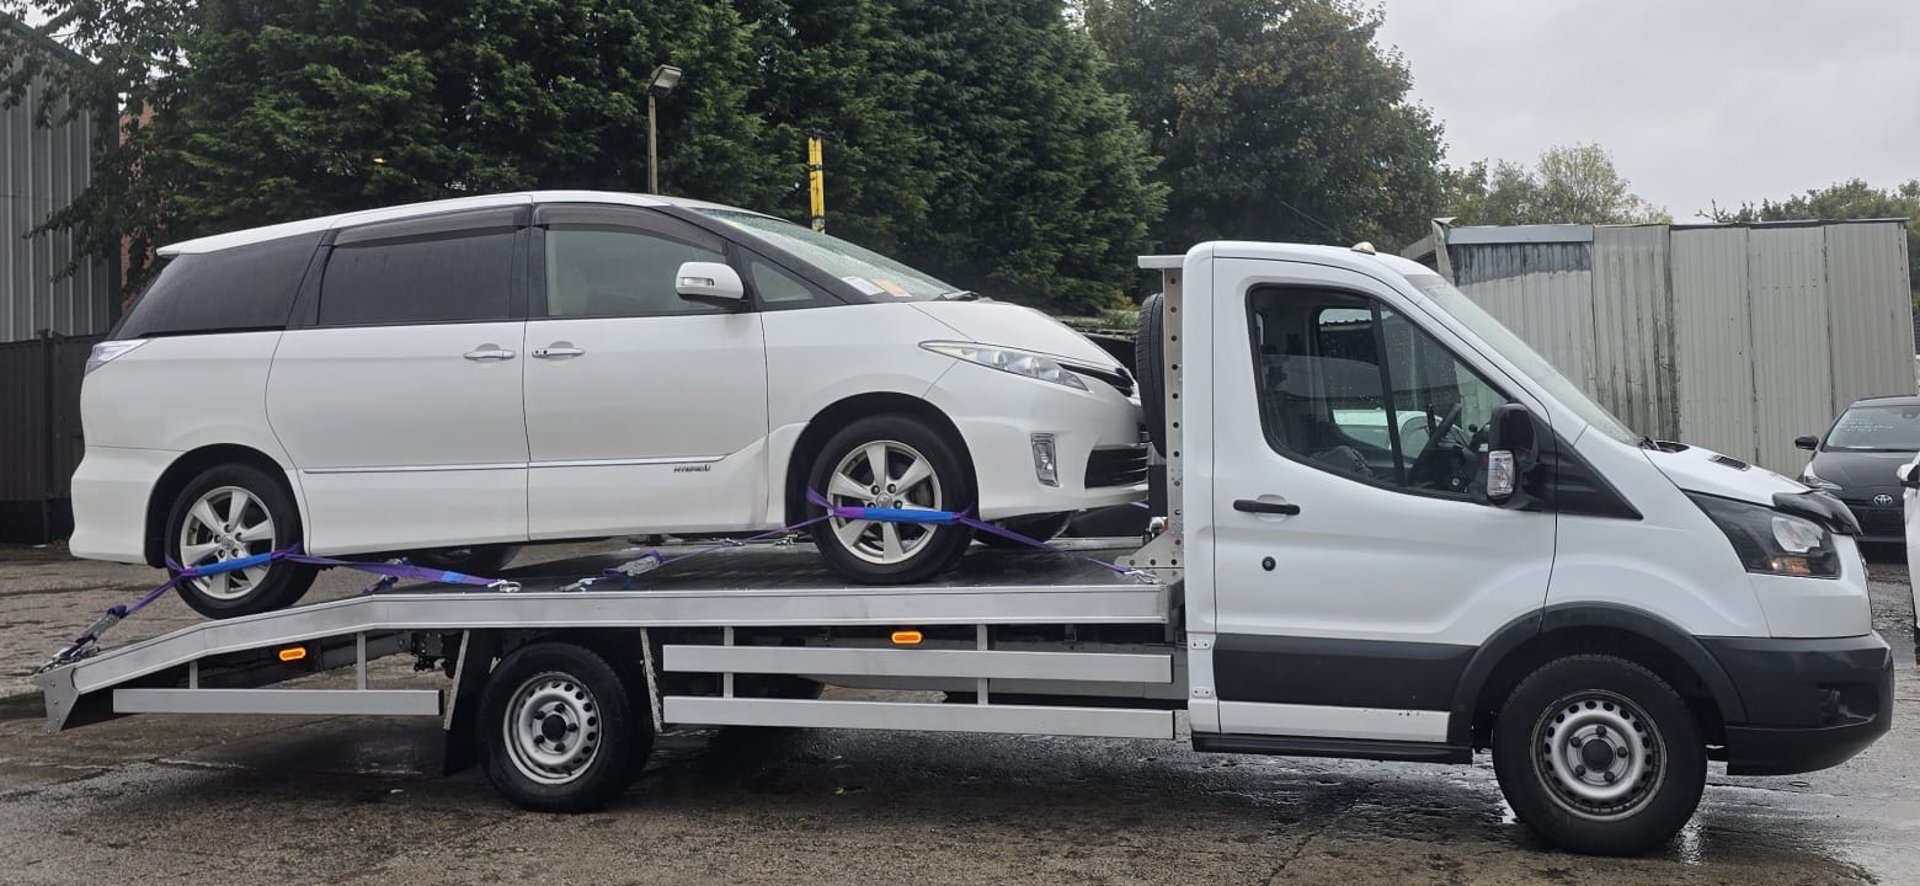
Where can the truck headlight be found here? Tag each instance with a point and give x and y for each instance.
(1031, 365)
(1771, 542)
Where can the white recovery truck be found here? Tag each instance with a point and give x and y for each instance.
(1393, 532)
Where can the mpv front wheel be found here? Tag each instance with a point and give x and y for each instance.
(231, 512)
(894, 462)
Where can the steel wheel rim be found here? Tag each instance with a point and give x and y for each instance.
(226, 523)
(1599, 755)
(552, 728)
(885, 474)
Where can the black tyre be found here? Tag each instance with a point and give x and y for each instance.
(559, 729)
(1150, 368)
(485, 561)
(1039, 527)
(1599, 755)
(891, 461)
(230, 512)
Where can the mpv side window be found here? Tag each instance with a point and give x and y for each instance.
(616, 272)
(1352, 387)
(453, 277)
(231, 290)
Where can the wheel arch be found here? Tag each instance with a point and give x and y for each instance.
(841, 413)
(188, 466)
(1526, 643)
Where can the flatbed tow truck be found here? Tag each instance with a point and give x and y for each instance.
(1468, 555)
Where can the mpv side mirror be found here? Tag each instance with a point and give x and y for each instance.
(1807, 442)
(1909, 475)
(710, 283)
(1511, 451)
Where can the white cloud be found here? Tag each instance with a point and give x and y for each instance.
(1698, 101)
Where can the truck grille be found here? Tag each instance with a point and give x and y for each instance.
(1123, 466)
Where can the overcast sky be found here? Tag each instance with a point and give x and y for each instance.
(1702, 100)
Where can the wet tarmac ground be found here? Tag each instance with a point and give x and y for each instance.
(345, 800)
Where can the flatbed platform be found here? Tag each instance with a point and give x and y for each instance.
(753, 586)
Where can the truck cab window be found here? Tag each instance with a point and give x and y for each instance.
(1354, 388)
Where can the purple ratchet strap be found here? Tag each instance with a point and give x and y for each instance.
(944, 518)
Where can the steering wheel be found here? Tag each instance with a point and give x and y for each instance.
(1428, 459)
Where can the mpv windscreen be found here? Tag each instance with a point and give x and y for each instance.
(874, 275)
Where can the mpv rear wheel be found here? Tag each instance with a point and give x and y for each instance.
(231, 512)
(890, 461)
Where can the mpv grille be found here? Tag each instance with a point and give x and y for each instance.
(1125, 466)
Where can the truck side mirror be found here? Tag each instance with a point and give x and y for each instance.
(1909, 475)
(1807, 441)
(1511, 450)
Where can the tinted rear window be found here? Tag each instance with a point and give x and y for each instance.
(243, 288)
(451, 279)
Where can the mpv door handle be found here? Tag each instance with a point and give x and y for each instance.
(488, 352)
(549, 353)
(1255, 506)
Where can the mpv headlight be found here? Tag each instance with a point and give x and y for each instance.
(1018, 362)
(1771, 542)
(105, 351)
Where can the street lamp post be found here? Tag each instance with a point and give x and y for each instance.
(664, 78)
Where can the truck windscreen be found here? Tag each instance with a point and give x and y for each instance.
(1501, 339)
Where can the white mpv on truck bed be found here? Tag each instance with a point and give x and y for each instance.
(1394, 532)
(453, 379)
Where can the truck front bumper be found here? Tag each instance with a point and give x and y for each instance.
(1811, 703)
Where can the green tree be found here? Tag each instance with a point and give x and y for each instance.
(1567, 185)
(1041, 188)
(1851, 199)
(1276, 119)
(835, 67)
(268, 110)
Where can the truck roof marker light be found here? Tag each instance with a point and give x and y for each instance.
(907, 638)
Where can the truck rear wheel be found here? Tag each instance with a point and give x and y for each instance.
(559, 730)
(1599, 755)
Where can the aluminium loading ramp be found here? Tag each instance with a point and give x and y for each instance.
(748, 587)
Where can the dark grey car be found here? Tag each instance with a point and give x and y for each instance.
(1856, 459)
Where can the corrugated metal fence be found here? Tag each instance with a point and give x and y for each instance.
(42, 169)
(40, 442)
(1736, 338)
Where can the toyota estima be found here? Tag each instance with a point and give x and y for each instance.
(453, 379)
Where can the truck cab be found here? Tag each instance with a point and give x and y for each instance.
(1407, 536)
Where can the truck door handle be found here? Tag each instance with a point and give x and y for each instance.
(549, 353)
(489, 352)
(1255, 506)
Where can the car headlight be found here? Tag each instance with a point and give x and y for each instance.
(1771, 542)
(1813, 480)
(1026, 363)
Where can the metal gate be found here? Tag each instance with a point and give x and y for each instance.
(40, 442)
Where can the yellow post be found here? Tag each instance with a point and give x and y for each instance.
(816, 182)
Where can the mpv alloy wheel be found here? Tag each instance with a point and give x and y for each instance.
(226, 523)
(231, 512)
(895, 462)
(885, 474)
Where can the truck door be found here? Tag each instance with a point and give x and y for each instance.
(1357, 564)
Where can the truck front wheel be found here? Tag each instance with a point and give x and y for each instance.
(1599, 755)
(559, 730)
